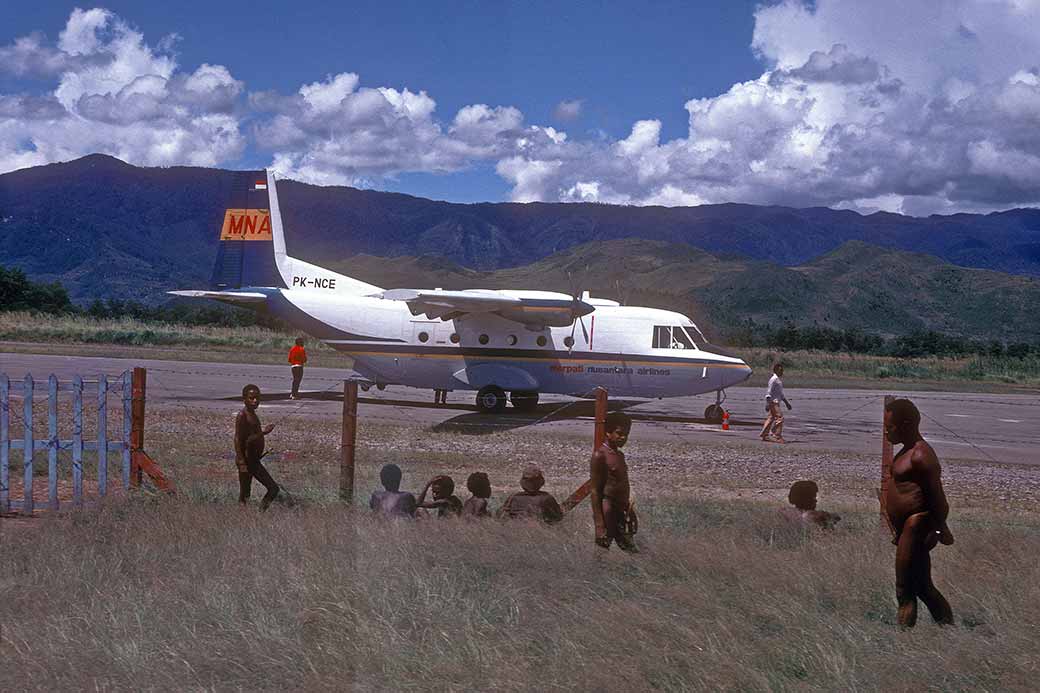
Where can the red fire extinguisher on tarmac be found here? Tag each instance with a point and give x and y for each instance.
(725, 420)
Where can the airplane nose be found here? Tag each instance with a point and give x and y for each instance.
(741, 374)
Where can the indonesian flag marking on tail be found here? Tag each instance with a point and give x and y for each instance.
(260, 185)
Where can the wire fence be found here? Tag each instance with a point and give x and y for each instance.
(393, 412)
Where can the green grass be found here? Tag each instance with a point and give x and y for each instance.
(75, 329)
(823, 366)
(193, 593)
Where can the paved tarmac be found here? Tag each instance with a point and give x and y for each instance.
(990, 428)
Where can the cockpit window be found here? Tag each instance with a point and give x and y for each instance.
(672, 337)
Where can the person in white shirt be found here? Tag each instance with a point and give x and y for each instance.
(774, 426)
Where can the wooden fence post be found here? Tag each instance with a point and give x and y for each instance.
(28, 445)
(599, 436)
(5, 443)
(348, 442)
(138, 387)
(886, 468)
(128, 394)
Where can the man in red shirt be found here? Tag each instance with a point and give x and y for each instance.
(297, 357)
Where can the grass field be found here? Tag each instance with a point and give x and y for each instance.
(192, 592)
(77, 335)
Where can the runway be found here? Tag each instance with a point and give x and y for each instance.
(990, 428)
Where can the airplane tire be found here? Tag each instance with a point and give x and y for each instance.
(713, 414)
(491, 399)
(526, 401)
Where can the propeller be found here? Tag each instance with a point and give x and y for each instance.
(579, 309)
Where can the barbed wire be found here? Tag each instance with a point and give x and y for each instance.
(965, 440)
(556, 413)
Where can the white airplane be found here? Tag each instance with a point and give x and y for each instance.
(491, 341)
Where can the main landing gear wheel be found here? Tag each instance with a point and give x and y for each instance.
(713, 413)
(491, 399)
(523, 400)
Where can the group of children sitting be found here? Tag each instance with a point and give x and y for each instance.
(530, 502)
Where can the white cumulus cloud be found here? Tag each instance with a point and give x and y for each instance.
(104, 89)
(340, 132)
(917, 107)
(904, 105)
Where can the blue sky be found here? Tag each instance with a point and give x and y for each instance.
(840, 103)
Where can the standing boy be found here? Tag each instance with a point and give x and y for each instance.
(297, 357)
(612, 513)
(773, 428)
(249, 449)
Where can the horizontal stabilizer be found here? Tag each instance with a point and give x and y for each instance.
(236, 298)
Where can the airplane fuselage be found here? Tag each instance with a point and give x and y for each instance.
(613, 347)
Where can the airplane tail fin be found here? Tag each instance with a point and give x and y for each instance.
(252, 246)
(247, 256)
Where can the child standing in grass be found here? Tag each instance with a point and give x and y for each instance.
(612, 511)
(249, 449)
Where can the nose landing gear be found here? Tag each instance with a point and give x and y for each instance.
(713, 412)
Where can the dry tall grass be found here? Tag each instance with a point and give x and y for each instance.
(191, 594)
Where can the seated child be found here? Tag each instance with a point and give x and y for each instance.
(803, 497)
(444, 502)
(392, 502)
(477, 505)
(532, 502)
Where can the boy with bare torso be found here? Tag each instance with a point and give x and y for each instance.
(611, 493)
(249, 449)
(392, 501)
(445, 503)
(917, 510)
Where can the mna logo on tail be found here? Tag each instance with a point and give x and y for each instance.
(246, 225)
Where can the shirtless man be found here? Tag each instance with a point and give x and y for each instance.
(803, 497)
(249, 449)
(917, 511)
(392, 502)
(444, 501)
(611, 493)
(532, 501)
(476, 506)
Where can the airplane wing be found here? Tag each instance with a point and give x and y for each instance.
(236, 298)
(534, 313)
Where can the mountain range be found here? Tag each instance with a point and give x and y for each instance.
(107, 229)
